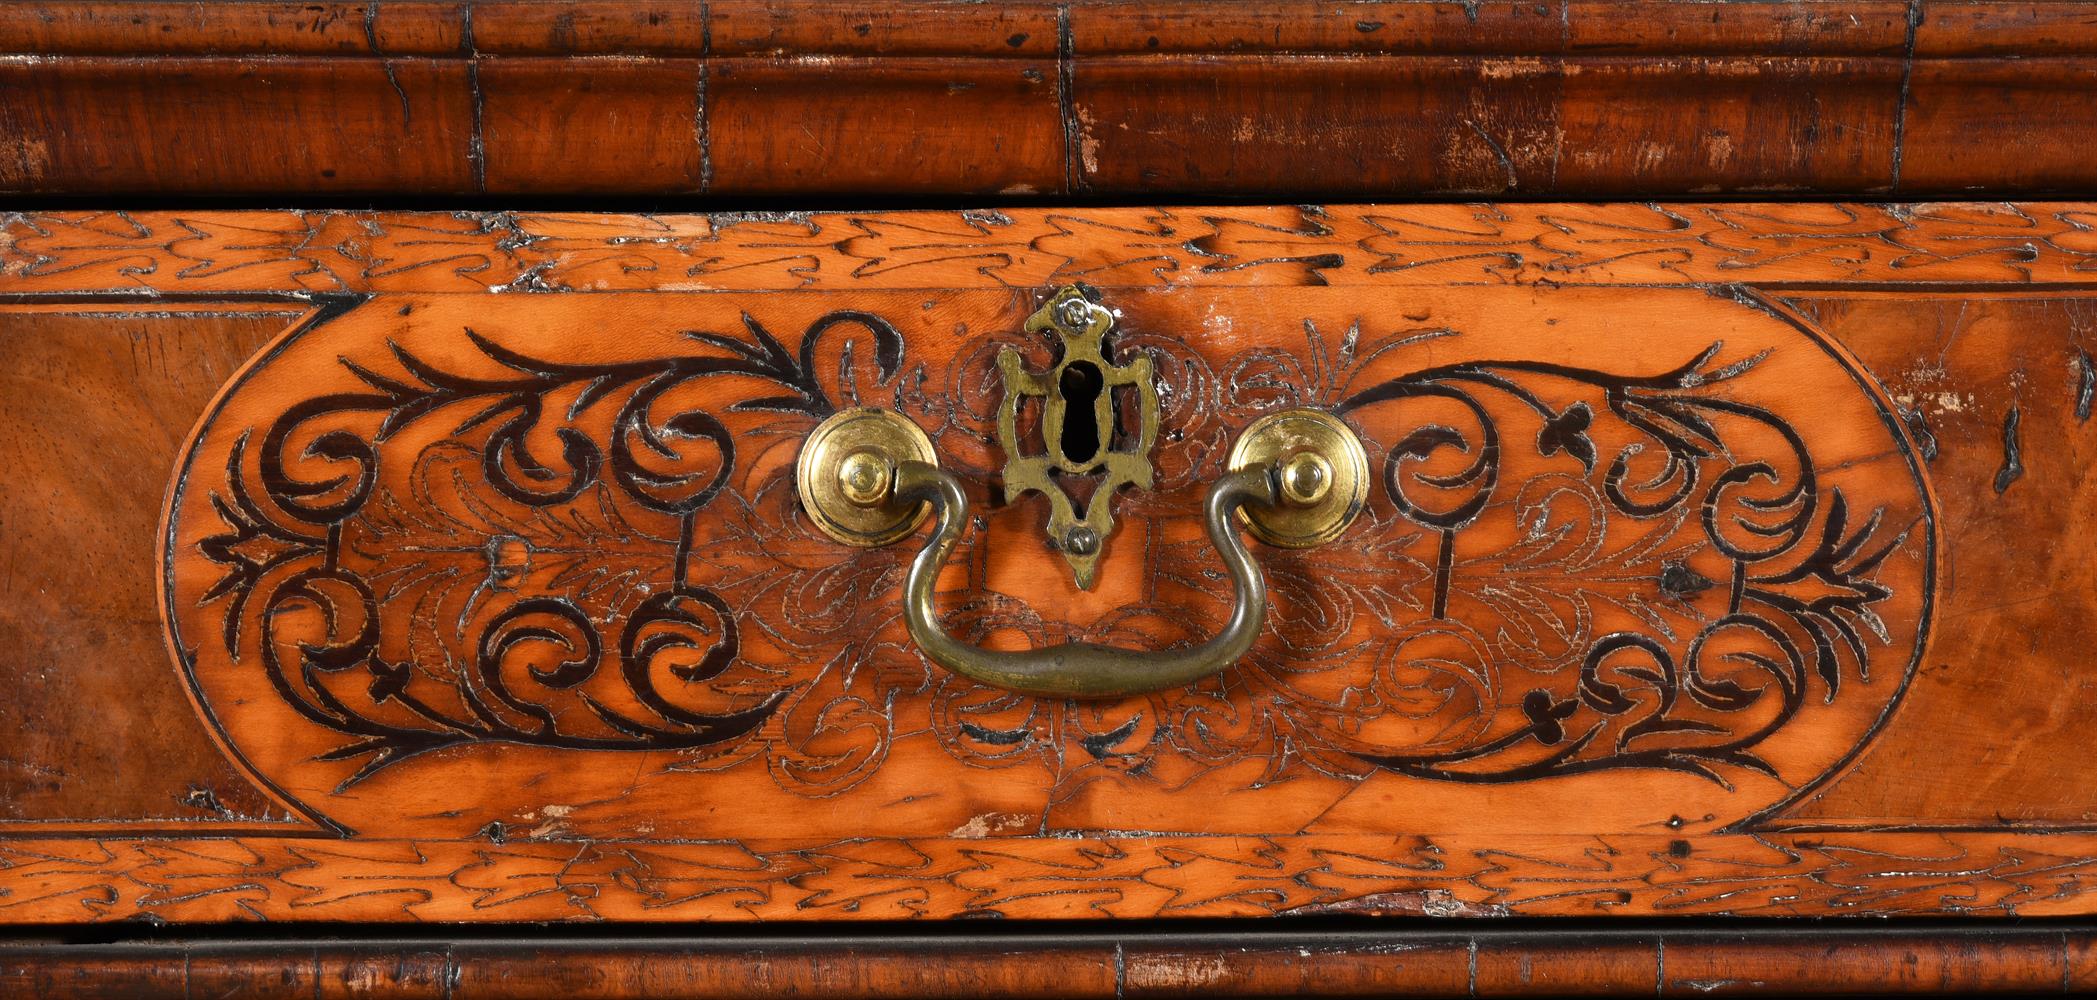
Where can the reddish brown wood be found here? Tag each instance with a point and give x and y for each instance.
(1964, 326)
(2005, 29)
(847, 125)
(1149, 969)
(1566, 98)
(118, 800)
(90, 743)
(541, 130)
(958, 971)
(397, 125)
(1568, 968)
(910, 28)
(1892, 963)
(157, 28)
(1868, 28)
(1962, 115)
(545, 873)
(1429, 963)
(1963, 312)
(1987, 377)
(1743, 124)
(602, 27)
(2079, 959)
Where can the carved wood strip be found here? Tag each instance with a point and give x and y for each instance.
(337, 251)
(1975, 874)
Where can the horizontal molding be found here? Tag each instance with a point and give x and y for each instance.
(1526, 959)
(749, 99)
(1023, 29)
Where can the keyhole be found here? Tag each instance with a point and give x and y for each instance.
(1080, 385)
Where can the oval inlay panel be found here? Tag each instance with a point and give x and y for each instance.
(1662, 556)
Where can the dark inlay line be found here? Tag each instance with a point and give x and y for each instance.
(1067, 104)
(2085, 384)
(702, 116)
(1441, 574)
(2012, 457)
(1919, 429)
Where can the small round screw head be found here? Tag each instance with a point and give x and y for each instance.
(1306, 478)
(1081, 540)
(1074, 313)
(865, 478)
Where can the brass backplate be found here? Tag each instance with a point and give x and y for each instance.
(1333, 469)
(846, 475)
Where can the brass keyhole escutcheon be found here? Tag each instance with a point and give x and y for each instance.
(1084, 400)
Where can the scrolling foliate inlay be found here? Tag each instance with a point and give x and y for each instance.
(1622, 537)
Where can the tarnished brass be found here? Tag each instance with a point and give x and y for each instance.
(1081, 443)
(1084, 669)
(869, 477)
(1302, 469)
(1323, 472)
(847, 470)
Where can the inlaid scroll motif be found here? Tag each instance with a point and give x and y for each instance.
(1586, 639)
(526, 581)
(540, 552)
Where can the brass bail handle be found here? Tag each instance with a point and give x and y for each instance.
(1297, 478)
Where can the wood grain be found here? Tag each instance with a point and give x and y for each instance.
(1055, 878)
(1036, 99)
(1965, 327)
(1996, 381)
(90, 743)
(1876, 332)
(1454, 634)
(541, 140)
(1947, 245)
(905, 126)
(1479, 962)
(399, 125)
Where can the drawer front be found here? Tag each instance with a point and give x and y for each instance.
(1680, 559)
